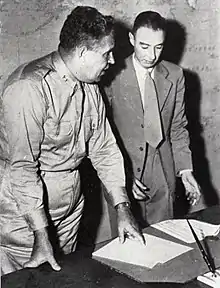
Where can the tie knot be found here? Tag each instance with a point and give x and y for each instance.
(150, 73)
(148, 77)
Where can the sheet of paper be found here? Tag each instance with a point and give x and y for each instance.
(156, 251)
(211, 280)
(179, 228)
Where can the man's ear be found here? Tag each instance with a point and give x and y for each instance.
(81, 51)
(131, 38)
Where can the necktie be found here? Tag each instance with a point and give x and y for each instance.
(152, 121)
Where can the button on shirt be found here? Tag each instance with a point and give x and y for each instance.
(52, 121)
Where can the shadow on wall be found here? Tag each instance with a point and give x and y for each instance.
(173, 52)
(175, 42)
(122, 50)
(201, 165)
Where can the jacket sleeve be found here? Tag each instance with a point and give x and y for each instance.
(179, 133)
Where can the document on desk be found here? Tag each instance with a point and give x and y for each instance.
(157, 250)
(179, 229)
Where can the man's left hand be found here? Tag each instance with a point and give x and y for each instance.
(192, 187)
(127, 226)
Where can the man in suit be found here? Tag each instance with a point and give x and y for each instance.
(148, 110)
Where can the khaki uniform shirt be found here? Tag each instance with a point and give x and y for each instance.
(50, 122)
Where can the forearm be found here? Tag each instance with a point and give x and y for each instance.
(116, 196)
(36, 219)
(29, 199)
(27, 189)
(110, 170)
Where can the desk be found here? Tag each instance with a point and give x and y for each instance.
(79, 270)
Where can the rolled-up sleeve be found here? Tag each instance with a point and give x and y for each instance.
(24, 113)
(107, 158)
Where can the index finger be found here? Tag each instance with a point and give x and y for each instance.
(140, 184)
(137, 236)
(138, 194)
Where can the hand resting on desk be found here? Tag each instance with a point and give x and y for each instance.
(127, 226)
(42, 251)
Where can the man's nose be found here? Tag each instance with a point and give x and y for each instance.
(111, 59)
(152, 54)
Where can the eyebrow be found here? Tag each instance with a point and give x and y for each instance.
(109, 50)
(146, 44)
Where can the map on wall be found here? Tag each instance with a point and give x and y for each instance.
(31, 28)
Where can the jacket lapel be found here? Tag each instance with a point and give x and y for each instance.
(132, 91)
(162, 83)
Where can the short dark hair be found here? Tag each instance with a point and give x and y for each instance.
(150, 19)
(85, 26)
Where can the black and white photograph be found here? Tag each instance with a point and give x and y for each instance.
(109, 143)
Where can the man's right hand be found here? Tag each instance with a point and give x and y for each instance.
(139, 190)
(42, 251)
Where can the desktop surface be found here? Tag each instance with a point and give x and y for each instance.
(79, 270)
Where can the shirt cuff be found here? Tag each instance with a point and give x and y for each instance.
(182, 171)
(119, 195)
(36, 219)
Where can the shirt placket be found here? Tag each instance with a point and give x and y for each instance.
(77, 106)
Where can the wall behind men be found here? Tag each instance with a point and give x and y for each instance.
(30, 28)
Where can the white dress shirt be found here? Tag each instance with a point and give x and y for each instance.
(140, 73)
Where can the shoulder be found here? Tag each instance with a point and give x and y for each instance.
(24, 85)
(123, 72)
(38, 69)
(126, 68)
(31, 72)
(174, 70)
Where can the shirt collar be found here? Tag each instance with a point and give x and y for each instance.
(63, 70)
(140, 69)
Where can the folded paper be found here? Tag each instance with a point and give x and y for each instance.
(156, 250)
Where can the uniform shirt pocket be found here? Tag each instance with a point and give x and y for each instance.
(60, 132)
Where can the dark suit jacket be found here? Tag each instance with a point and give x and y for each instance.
(128, 116)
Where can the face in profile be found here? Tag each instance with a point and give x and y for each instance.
(96, 61)
(148, 45)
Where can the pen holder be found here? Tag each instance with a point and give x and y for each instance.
(211, 280)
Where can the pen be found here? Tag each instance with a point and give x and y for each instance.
(204, 254)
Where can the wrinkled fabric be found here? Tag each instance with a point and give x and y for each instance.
(49, 123)
(63, 205)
